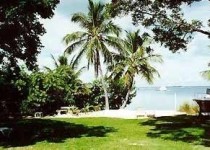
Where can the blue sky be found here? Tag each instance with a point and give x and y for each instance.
(178, 69)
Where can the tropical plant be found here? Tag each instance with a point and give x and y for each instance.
(63, 61)
(22, 20)
(117, 92)
(12, 94)
(49, 91)
(96, 96)
(189, 108)
(97, 34)
(134, 59)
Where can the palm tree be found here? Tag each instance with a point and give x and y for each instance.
(134, 59)
(98, 33)
(63, 61)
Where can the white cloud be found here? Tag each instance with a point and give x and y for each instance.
(56, 29)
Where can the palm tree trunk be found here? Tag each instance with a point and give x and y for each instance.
(127, 96)
(104, 87)
(126, 99)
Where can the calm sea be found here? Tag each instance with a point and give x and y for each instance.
(151, 98)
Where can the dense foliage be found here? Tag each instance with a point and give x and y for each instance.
(118, 93)
(20, 29)
(164, 18)
(49, 91)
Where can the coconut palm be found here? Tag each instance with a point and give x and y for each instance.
(134, 60)
(63, 61)
(98, 33)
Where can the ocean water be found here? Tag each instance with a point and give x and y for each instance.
(151, 98)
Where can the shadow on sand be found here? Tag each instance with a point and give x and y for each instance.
(190, 129)
(28, 132)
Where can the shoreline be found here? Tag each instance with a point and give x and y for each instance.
(122, 113)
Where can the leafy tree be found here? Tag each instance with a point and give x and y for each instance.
(95, 96)
(118, 91)
(93, 40)
(20, 29)
(135, 58)
(164, 18)
(12, 95)
(49, 91)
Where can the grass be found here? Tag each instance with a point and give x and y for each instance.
(183, 133)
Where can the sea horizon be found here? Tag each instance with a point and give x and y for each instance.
(152, 98)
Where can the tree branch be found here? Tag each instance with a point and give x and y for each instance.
(202, 31)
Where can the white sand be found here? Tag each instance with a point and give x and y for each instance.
(125, 114)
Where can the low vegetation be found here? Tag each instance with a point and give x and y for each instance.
(188, 108)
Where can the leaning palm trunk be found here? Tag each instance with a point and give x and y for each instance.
(126, 99)
(104, 87)
(127, 95)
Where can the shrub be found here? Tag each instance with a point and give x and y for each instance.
(189, 108)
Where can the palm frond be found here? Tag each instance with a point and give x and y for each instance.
(80, 71)
(63, 60)
(111, 28)
(47, 68)
(155, 58)
(71, 48)
(205, 74)
(82, 19)
(75, 36)
(54, 61)
(106, 53)
(114, 42)
(79, 55)
(148, 72)
(72, 62)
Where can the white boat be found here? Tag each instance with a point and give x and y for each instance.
(162, 88)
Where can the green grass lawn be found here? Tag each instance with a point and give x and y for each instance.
(167, 133)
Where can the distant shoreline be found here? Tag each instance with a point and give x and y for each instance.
(175, 86)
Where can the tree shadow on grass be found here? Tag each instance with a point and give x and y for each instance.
(190, 129)
(28, 132)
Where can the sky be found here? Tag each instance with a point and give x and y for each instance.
(179, 69)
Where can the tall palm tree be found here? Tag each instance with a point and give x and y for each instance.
(134, 60)
(98, 33)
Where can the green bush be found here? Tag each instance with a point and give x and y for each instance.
(189, 108)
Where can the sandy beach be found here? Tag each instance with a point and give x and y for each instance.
(124, 114)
